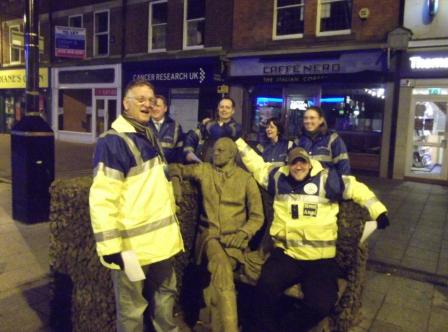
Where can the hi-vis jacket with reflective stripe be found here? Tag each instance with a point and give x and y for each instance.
(170, 137)
(305, 212)
(132, 204)
(209, 133)
(329, 149)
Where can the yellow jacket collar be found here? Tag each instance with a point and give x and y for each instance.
(122, 126)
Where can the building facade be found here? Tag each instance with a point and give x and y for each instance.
(288, 55)
(421, 146)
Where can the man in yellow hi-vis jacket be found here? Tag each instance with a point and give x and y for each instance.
(304, 233)
(132, 209)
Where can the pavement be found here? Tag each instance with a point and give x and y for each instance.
(407, 279)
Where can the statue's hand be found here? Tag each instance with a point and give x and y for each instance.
(238, 240)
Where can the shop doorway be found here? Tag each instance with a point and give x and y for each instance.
(427, 144)
(105, 114)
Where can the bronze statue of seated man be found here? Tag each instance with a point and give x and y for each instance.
(232, 213)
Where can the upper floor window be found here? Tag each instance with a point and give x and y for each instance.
(288, 19)
(158, 13)
(75, 21)
(101, 32)
(334, 17)
(15, 52)
(194, 23)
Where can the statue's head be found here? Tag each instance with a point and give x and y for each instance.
(224, 152)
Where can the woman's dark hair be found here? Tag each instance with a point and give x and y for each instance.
(323, 126)
(276, 122)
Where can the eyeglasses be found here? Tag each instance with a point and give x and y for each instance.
(143, 100)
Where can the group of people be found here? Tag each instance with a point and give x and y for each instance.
(133, 208)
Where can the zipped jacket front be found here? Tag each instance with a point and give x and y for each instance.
(132, 204)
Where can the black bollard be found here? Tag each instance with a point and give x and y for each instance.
(32, 166)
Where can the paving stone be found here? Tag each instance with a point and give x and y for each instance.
(420, 253)
(438, 321)
(420, 264)
(378, 282)
(410, 294)
(407, 319)
(425, 244)
(440, 298)
(380, 326)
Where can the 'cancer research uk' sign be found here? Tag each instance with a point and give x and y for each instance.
(70, 42)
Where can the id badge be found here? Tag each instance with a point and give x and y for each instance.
(295, 211)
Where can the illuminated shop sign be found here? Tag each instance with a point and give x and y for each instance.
(342, 63)
(175, 73)
(418, 62)
(16, 78)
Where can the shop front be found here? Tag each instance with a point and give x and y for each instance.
(352, 88)
(190, 85)
(12, 96)
(422, 127)
(85, 101)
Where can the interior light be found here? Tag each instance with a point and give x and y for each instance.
(269, 100)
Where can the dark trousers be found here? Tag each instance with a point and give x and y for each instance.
(318, 281)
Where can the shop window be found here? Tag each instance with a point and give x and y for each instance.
(334, 17)
(16, 55)
(101, 30)
(194, 23)
(288, 19)
(75, 110)
(75, 21)
(158, 18)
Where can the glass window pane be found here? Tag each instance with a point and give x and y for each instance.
(195, 9)
(159, 37)
(195, 33)
(15, 54)
(336, 15)
(290, 21)
(159, 13)
(281, 3)
(75, 21)
(102, 44)
(101, 22)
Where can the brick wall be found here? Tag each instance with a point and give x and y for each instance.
(137, 28)
(253, 24)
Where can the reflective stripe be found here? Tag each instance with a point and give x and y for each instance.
(320, 157)
(276, 176)
(147, 165)
(188, 149)
(311, 243)
(166, 145)
(109, 172)
(179, 144)
(245, 151)
(260, 148)
(107, 235)
(148, 228)
(323, 181)
(276, 164)
(176, 132)
(290, 144)
(333, 138)
(151, 227)
(370, 202)
(131, 145)
(342, 156)
(347, 187)
(301, 198)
